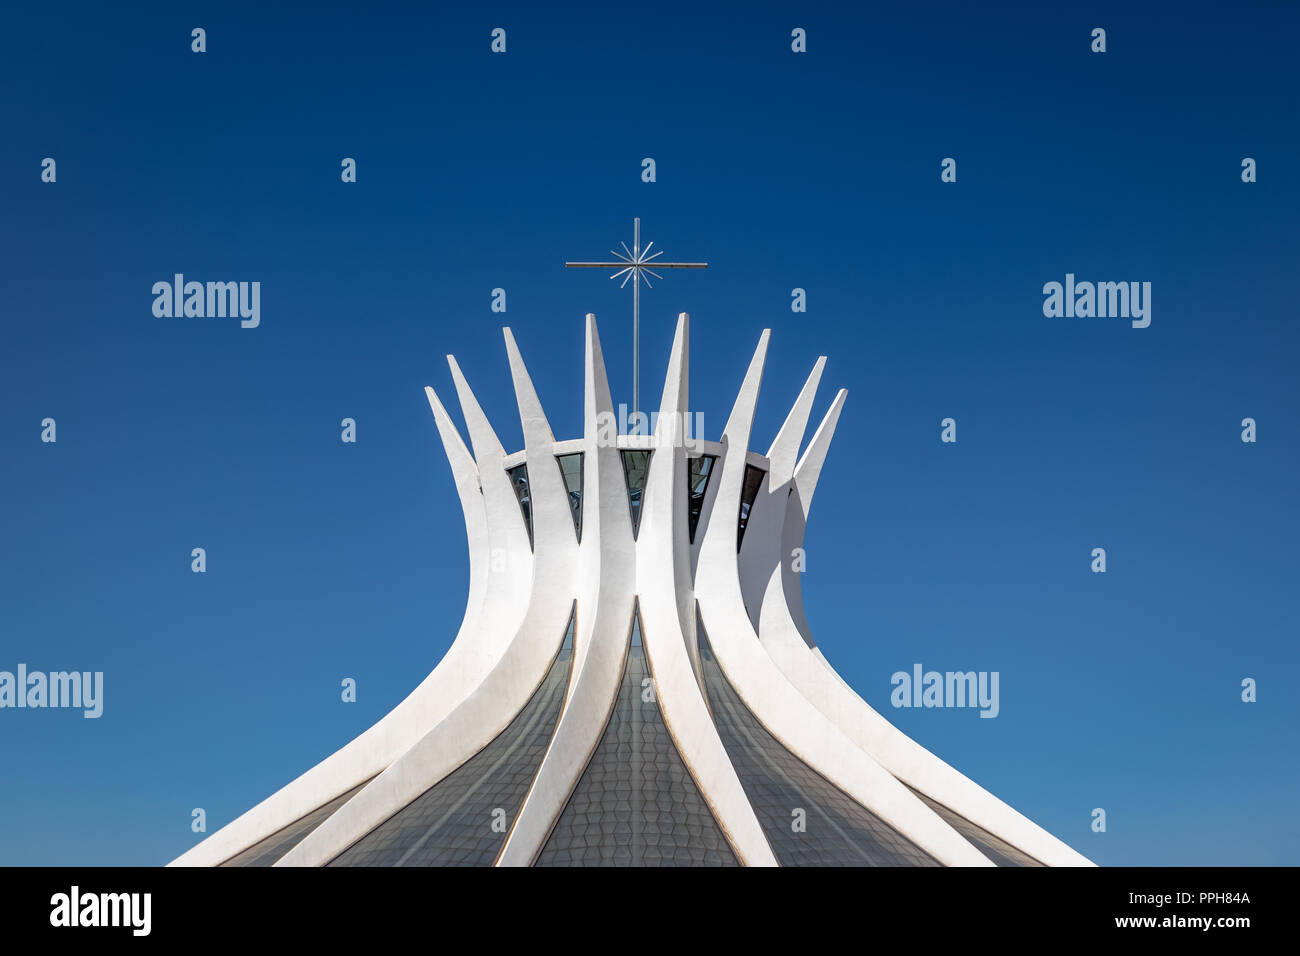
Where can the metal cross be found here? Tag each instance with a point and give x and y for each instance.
(636, 266)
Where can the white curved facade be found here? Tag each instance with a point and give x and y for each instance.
(634, 680)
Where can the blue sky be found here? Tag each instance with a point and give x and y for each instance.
(818, 171)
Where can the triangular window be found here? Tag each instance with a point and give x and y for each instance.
(571, 471)
(636, 465)
(698, 472)
(748, 493)
(519, 481)
(636, 623)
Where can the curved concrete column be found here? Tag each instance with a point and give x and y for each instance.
(664, 586)
(767, 692)
(471, 654)
(508, 687)
(760, 551)
(789, 643)
(607, 569)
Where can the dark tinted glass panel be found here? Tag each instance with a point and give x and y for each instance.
(519, 481)
(463, 819)
(571, 470)
(636, 465)
(838, 831)
(996, 849)
(698, 472)
(636, 803)
(753, 479)
(266, 852)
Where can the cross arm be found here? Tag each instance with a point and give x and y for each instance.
(646, 265)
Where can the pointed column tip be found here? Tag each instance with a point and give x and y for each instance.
(593, 333)
(511, 347)
(784, 452)
(597, 398)
(459, 380)
(439, 410)
(675, 395)
(531, 414)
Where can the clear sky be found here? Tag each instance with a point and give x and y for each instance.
(819, 171)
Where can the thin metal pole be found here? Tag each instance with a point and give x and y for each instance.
(636, 320)
(631, 267)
